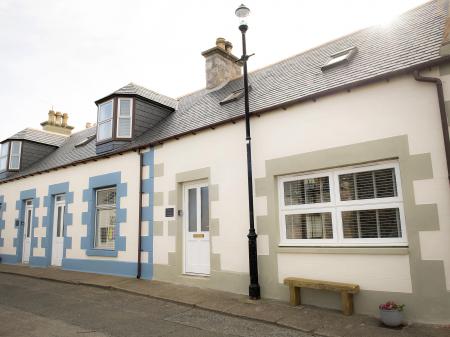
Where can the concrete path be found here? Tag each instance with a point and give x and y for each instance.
(313, 321)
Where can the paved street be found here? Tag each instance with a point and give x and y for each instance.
(33, 307)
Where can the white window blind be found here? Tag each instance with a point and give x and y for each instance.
(4, 150)
(105, 121)
(14, 156)
(353, 206)
(105, 219)
(124, 118)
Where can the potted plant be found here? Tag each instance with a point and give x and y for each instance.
(391, 313)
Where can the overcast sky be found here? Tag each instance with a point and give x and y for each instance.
(67, 54)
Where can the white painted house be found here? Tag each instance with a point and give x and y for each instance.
(351, 164)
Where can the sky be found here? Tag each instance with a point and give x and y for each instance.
(66, 54)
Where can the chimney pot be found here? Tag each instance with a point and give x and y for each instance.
(58, 118)
(220, 42)
(228, 47)
(65, 118)
(51, 117)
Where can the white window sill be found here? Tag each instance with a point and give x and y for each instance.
(361, 250)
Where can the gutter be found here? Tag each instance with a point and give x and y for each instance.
(139, 261)
(444, 120)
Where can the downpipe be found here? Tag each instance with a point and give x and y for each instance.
(139, 262)
(444, 120)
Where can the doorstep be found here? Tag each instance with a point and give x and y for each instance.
(320, 322)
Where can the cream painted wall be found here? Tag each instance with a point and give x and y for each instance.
(401, 106)
(371, 272)
(78, 178)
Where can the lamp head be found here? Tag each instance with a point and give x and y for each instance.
(242, 12)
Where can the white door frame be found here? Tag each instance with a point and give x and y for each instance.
(201, 236)
(58, 229)
(27, 230)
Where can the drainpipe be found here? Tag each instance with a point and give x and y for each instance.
(139, 263)
(444, 121)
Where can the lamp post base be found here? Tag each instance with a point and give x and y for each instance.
(254, 292)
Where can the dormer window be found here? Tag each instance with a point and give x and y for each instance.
(14, 156)
(115, 119)
(4, 151)
(124, 118)
(105, 121)
(10, 153)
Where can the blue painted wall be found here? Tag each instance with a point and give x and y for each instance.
(88, 218)
(2, 221)
(147, 214)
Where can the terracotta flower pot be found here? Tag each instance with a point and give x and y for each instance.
(392, 318)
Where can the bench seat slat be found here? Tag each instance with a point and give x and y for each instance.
(324, 285)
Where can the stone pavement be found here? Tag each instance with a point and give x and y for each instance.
(316, 321)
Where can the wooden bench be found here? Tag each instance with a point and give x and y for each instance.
(346, 289)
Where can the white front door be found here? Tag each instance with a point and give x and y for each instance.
(196, 229)
(58, 230)
(28, 218)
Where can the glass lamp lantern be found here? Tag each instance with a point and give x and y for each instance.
(242, 12)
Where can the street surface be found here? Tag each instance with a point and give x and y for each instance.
(38, 308)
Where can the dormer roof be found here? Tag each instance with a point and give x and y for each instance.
(132, 89)
(38, 136)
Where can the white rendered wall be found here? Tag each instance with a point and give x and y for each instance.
(401, 106)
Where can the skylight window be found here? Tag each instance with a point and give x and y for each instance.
(85, 141)
(341, 57)
(234, 96)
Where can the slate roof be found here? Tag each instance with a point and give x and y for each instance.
(39, 136)
(134, 89)
(414, 39)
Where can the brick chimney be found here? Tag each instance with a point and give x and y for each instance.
(57, 123)
(220, 64)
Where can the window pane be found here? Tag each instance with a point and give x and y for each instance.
(106, 197)
(105, 229)
(309, 226)
(307, 191)
(105, 111)
(58, 224)
(2, 163)
(368, 185)
(28, 223)
(124, 127)
(205, 208)
(373, 223)
(14, 162)
(4, 149)
(125, 107)
(192, 205)
(15, 148)
(104, 130)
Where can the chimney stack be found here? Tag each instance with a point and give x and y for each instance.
(57, 123)
(220, 64)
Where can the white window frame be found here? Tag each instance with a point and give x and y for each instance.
(11, 154)
(106, 120)
(6, 156)
(336, 206)
(119, 116)
(95, 246)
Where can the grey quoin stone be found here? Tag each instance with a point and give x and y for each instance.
(220, 65)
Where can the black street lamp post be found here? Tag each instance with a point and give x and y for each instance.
(254, 290)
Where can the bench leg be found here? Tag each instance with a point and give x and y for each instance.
(294, 293)
(347, 303)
